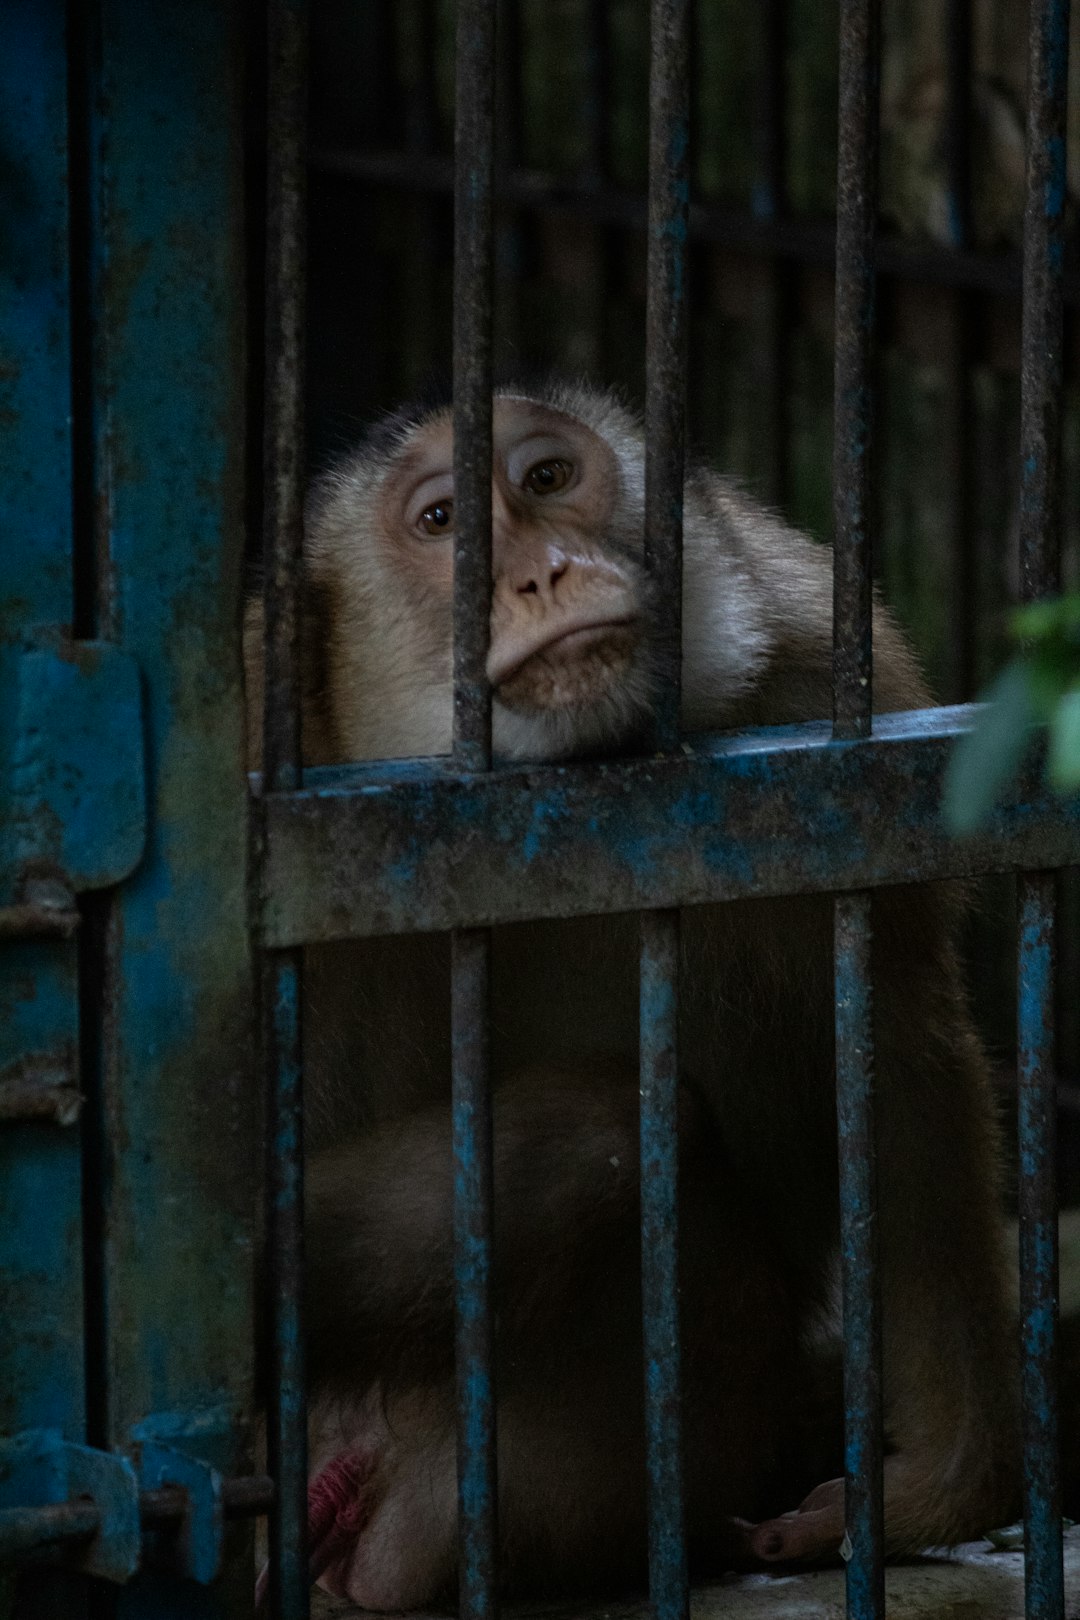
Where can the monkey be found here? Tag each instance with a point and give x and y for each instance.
(574, 665)
(570, 1422)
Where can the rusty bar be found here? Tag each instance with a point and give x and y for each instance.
(474, 147)
(856, 206)
(958, 359)
(286, 1417)
(665, 339)
(244, 1496)
(35, 920)
(474, 163)
(853, 506)
(668, 1590)
(283, 452)
(286, 185)
(859, 1256)
(41, 1087)
(31, 1530)
(1037, 1128)
(1041, 372)
(477, 1526)
(26, 1530)
(1043, 330)
(770, 203)
(247, 1496)
(394, 847)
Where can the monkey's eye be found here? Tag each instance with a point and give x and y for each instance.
(548, 476)
(437, 519)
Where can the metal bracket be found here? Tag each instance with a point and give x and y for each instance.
(72, 779)
(39, 1468)
(195, 1546)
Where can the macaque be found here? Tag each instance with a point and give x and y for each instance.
(568, 1348)
(574, 665)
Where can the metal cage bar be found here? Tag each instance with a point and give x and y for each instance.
(852, 702)
(474, 160)
(282, 977)
(1040, 501)
(668, 1588)
(665, 454)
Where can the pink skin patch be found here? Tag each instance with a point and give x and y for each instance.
(338, 1509)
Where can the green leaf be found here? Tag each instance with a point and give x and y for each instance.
(986, 760)
(1063, 754)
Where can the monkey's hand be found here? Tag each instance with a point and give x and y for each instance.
(814, 1530)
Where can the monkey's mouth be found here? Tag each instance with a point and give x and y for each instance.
(562, 644)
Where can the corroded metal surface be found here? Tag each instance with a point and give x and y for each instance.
(660, 1263)
(857, 1153)
(42, 1381)
(1040, 523)
(384, 849)
(283, 457)
(171, 1166)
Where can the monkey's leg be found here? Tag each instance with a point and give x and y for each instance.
(568, 1344)
(949, 1360)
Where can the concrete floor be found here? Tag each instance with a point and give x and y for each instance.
(973, 1582)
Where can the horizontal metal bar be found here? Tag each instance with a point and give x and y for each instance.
(799, 241)
(394, 847)
(26, 1530)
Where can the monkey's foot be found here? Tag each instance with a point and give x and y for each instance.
(339, 1506)
(814, 1530)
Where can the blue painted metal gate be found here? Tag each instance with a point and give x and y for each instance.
(127, 1182)
(128, 1122)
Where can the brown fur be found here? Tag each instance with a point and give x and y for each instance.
(756, 1019)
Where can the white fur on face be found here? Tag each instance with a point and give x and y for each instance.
(389, 658)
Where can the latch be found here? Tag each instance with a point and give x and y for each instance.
(195, 1544)
(52, 1491)
(72, 779)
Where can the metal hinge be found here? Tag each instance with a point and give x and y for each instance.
(72, 779)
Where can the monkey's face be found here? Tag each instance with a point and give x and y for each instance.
(570, 659)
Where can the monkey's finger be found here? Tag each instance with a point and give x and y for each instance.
(795, 1537)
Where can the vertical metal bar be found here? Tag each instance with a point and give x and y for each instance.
(180, 1182)
(858, 1255)
(509, 234)
(1040, 503)
(283, 439)
(284, 424)
(770, 202)
(1037, 1129)
(665, 451)
(41, 1350)
(596, 111)
(474, 167)
(856, 206)
(958, 54)
(471, 948)
(958, 361)
(477, 1527)
(665, 341)
(668, 1590)
(286, 1420)
(853, 498)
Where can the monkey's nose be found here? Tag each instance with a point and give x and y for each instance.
(531, 586)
